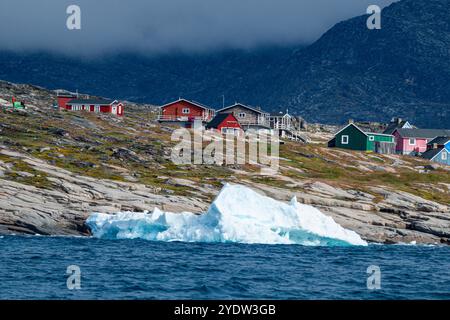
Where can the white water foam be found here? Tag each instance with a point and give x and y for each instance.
(238, 214)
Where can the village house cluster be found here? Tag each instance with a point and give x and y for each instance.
(235, 119)
(399, 137)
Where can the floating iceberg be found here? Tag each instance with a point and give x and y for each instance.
(238, 214)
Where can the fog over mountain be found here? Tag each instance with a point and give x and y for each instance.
(159, 26)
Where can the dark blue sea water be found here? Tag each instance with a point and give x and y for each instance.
(35, 268)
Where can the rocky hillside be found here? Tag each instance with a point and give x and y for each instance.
(350, 72)
(56, 167)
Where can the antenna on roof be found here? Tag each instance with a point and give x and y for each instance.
(77, 93)
(223, 101)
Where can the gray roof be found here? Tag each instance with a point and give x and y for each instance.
(91, 101)
(423, 133)
(394, 125)
(198, 104)
(430, 154)
(440, 140)
(243, 106)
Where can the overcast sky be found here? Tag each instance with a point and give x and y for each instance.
(153, 26)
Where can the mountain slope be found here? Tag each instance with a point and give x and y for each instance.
(402, 69)
(350, 72)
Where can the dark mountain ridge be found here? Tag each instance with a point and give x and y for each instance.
(350, 72)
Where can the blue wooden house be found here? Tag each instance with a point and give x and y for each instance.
(438, 150)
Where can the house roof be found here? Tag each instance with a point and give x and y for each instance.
(92, 101)
(363, 132)
(394, 125)
(345, 127)
(422, 133)
(217, 120)
(198, 104)
(442, 140)
(430, 154)
(348, 125)
(255, 109)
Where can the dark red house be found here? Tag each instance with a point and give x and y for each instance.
(225, 123)
(185, 111)
(64, 98)
(69, 102)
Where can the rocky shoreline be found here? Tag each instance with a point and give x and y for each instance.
(398, 218)
(26, 209)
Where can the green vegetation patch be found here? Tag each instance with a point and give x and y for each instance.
(21, 172)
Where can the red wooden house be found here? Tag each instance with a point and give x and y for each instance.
(225, 123)
(185, 111)
(91, 105)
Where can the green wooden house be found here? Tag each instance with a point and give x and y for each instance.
(354, 138)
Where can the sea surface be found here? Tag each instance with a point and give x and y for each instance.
(35, 268)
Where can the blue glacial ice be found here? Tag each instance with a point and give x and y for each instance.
(238, 214)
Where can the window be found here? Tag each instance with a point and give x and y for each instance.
(186, 111)
(444, 155)
(241, 115)
(371, 138)
(344, 139)
(230, 131)
(412, 141)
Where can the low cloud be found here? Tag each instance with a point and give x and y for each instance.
(155, 26)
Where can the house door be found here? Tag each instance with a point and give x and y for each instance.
(114, 109)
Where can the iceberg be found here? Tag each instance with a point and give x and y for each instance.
(238, 214)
